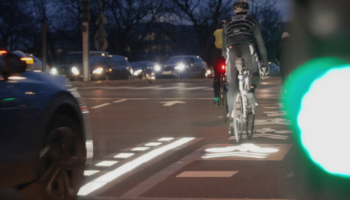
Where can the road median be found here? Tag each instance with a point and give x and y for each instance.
(136, 82)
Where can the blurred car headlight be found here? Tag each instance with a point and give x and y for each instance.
(98, 71)
(131, 71)
(180, 67)
(137, 72)
(208, 71)
(54, 71)
(157, 68)
(75, 71)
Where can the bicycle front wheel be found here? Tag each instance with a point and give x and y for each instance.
(239, 120)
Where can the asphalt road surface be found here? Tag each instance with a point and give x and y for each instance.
(168, 141)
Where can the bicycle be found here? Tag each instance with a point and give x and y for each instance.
(223, 96)
(244, 111)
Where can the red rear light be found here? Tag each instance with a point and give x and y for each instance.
(3, 53)
(223, 67)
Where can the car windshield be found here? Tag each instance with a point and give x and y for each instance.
(100, 60)
(175, 60)
(72, 58)
(137, 65)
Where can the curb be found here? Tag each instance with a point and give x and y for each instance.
(136, 82)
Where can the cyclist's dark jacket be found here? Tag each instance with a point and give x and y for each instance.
(243, 29)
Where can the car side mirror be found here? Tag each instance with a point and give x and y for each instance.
(14, 64)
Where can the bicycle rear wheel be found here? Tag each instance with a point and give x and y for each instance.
(238, 118)
(250, 124)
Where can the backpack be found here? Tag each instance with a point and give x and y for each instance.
(218, 38)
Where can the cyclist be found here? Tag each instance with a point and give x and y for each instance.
(215, 59)
(240, 35)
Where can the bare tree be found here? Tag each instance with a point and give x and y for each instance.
(15, 23)
(126, 15)
(203, 15)
(271, 21)
(45, 12)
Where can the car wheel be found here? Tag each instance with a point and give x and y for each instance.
(202, 74)
(62, 160)
(107, 78)
(129, 77)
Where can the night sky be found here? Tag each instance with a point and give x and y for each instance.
(285, 7)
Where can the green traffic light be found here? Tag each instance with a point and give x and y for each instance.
(317, 100)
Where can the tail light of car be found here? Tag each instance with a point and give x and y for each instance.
(28, 60)
(84, 109)
(3, 52)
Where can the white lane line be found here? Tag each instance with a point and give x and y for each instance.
(127, 167)
(169, 88)
(207, 174)
(100, 106)
(194, 88)
(106, 163)
(90, 172)
(119, 101)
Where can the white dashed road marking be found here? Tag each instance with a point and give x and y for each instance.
(100, 106)
(119, 101)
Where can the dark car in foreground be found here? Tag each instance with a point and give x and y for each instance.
(145, 69)
(45, 138)
(110, 67)
(183, 67)
(71, 64)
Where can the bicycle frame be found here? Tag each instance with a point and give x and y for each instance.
(244, 82)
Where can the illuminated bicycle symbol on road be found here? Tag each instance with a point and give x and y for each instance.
(243, 150)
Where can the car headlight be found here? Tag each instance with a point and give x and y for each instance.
(137, 72)
(98, 71)
(54, 71)
(209, 71)
(157, 68)
(180, 67)
(75, 71)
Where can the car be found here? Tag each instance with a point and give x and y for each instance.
(144, 69)
(71, 64)
(110, 67)
(183, 67)
(37, 64)
(45, 140)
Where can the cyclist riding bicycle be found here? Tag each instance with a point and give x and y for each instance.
(215, 59)
(240, 35)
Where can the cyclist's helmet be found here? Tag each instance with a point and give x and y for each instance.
(241, 6)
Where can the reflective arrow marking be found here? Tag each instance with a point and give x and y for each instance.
(171, 103)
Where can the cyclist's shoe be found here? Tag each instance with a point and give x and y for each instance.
(252, 99)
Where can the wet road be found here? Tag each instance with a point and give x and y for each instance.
(168, 141)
